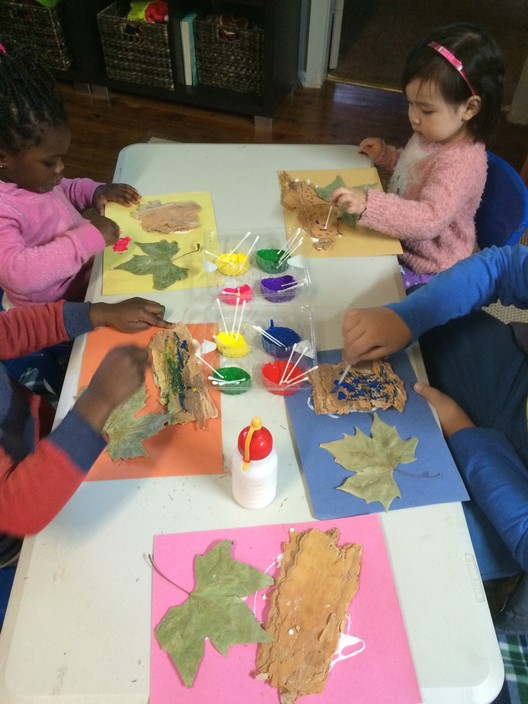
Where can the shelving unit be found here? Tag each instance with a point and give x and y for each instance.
(280, 19)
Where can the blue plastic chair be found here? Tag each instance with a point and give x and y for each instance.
(502, 217)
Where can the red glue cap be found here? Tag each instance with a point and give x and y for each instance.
(255, 442)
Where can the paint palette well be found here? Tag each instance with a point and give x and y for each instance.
(273, 334)
(268, 272)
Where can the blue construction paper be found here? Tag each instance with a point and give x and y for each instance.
(432, 478)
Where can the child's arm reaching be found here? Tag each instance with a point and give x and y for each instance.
(448, 190)
(496, 273)
(33, 490)
(491, 468)
(382, 154)
(352, 200)
(25, 330)
(120, 193)
(38, 476)
(373, 147)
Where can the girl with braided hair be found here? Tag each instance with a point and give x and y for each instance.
(46, 246)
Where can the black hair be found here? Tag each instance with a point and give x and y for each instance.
(482, 60)
(29, 103)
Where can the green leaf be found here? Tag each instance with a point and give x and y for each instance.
(373, 459)
(126, 432)
(349, 219)
(214, 610)
(157, 261)
(325, 192)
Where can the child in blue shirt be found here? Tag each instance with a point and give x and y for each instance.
(478, 369)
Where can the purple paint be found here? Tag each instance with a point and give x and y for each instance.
(279, 289)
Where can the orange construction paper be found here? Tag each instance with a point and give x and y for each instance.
(356, 241)
(177, 450)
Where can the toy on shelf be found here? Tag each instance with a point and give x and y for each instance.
(153, 12)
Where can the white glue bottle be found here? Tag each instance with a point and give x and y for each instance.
(254, 467)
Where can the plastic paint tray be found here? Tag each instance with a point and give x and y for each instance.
(295, 286)
(287, 322)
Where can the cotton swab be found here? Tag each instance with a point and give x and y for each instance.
(211, 254)
(202, 360)
(254, 243)
(328, 217)
(240, 319)
(286, 365)
(293, 284)
(222, 381)
(268, 336)
(301, 376)
(298, 232)
(291, 246)
(343, 375)
(287, 254)
(222, 314)
(287, 378)
(235, 316)
(238, 245)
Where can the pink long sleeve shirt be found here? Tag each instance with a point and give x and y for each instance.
(433, 196)
(46, 246)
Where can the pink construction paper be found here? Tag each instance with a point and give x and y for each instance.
(376, 667)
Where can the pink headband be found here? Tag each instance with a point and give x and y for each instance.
(455, 63)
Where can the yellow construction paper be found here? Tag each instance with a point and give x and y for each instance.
(356, 241)
(117, 281)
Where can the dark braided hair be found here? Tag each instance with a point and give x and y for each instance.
(29, 103)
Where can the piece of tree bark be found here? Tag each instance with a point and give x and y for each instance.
(179, 377)
(317, 582)
(368, 386)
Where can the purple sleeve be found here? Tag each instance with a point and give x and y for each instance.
(79, 191)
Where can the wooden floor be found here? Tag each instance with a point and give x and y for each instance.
(334, 114)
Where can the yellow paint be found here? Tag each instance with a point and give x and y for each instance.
(232, 264)
(232, 344)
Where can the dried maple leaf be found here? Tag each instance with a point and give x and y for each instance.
(126, 431)
(157, 261)
(373, 459)
(214, 610)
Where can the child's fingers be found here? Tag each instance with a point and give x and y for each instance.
(338, 194)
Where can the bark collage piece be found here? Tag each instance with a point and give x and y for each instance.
(318, 580)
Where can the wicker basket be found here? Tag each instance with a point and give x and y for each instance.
(228, 56)
(135, 51)
(40, 27)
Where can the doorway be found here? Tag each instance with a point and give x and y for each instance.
(376, 36)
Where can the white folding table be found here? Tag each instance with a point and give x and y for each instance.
(78, 625)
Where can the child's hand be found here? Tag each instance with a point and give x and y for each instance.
(120, 193)
(108, 228)
(451, 416)
(352, 200)
(131, 315)
(371, 333)
(373, 147)
(120, 373)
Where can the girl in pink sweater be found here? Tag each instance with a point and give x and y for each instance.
(46, 246)
(453, 84)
